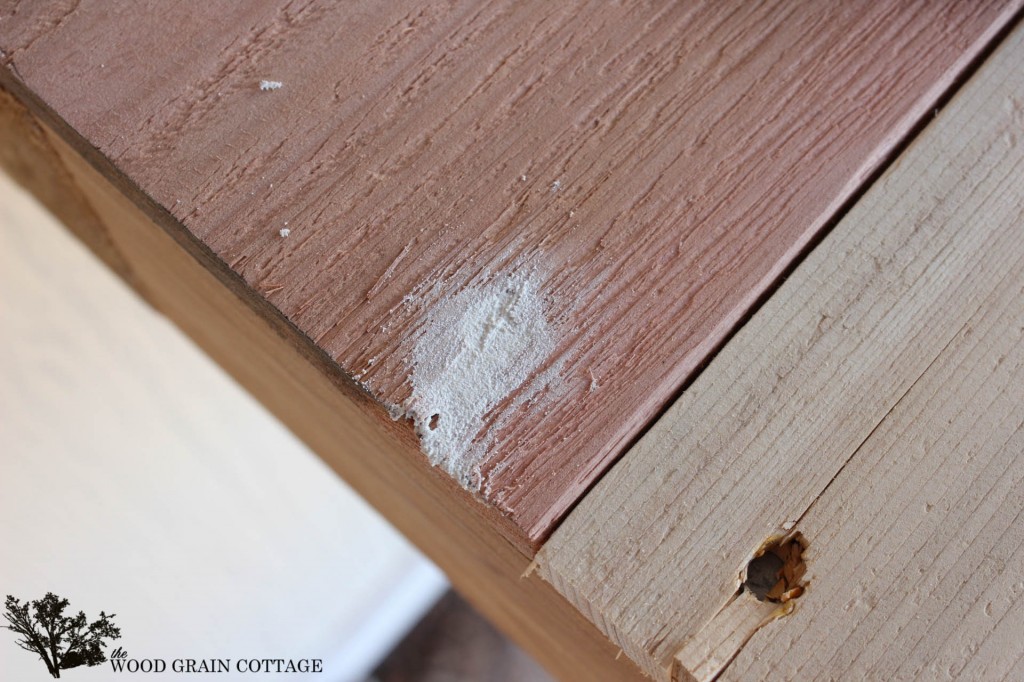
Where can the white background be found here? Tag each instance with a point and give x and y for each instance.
(137, 478)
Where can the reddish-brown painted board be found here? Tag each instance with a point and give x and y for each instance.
(603, 188)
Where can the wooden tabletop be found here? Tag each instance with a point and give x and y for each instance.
(519, 272)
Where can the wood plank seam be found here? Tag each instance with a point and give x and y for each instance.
(368, 452)
(669, 188)
(847, 340)
(291, 331)
(899, 146)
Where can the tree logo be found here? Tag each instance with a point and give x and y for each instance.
(61, 641)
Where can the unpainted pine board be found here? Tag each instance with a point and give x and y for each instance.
(877, 314)
(273, 362)
(522, 224)
(917, 561)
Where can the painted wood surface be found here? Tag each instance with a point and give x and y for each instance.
(874, 404)
(604, 189)
(302, 390)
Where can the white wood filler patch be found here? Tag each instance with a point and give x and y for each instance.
(477, 348)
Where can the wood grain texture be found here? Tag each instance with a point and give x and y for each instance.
(304, 391)
(875, 403)
(654, 167)
(918, 558)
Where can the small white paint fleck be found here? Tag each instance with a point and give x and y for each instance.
(523, 177)
(271, 85)
(478, 347)
(556, 185)
(284, 232)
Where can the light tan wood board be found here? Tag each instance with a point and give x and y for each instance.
(875, 404)
(273, 363)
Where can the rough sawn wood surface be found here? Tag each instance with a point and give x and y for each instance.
(875, 404)
(647, 171)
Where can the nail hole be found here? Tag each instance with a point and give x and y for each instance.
(434, 418)
(776, 572)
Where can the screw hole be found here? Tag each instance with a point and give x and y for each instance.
(776, 573)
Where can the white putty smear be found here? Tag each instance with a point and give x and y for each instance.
(477, 348)
(271, 85)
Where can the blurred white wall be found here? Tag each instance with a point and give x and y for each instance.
(137, 478)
